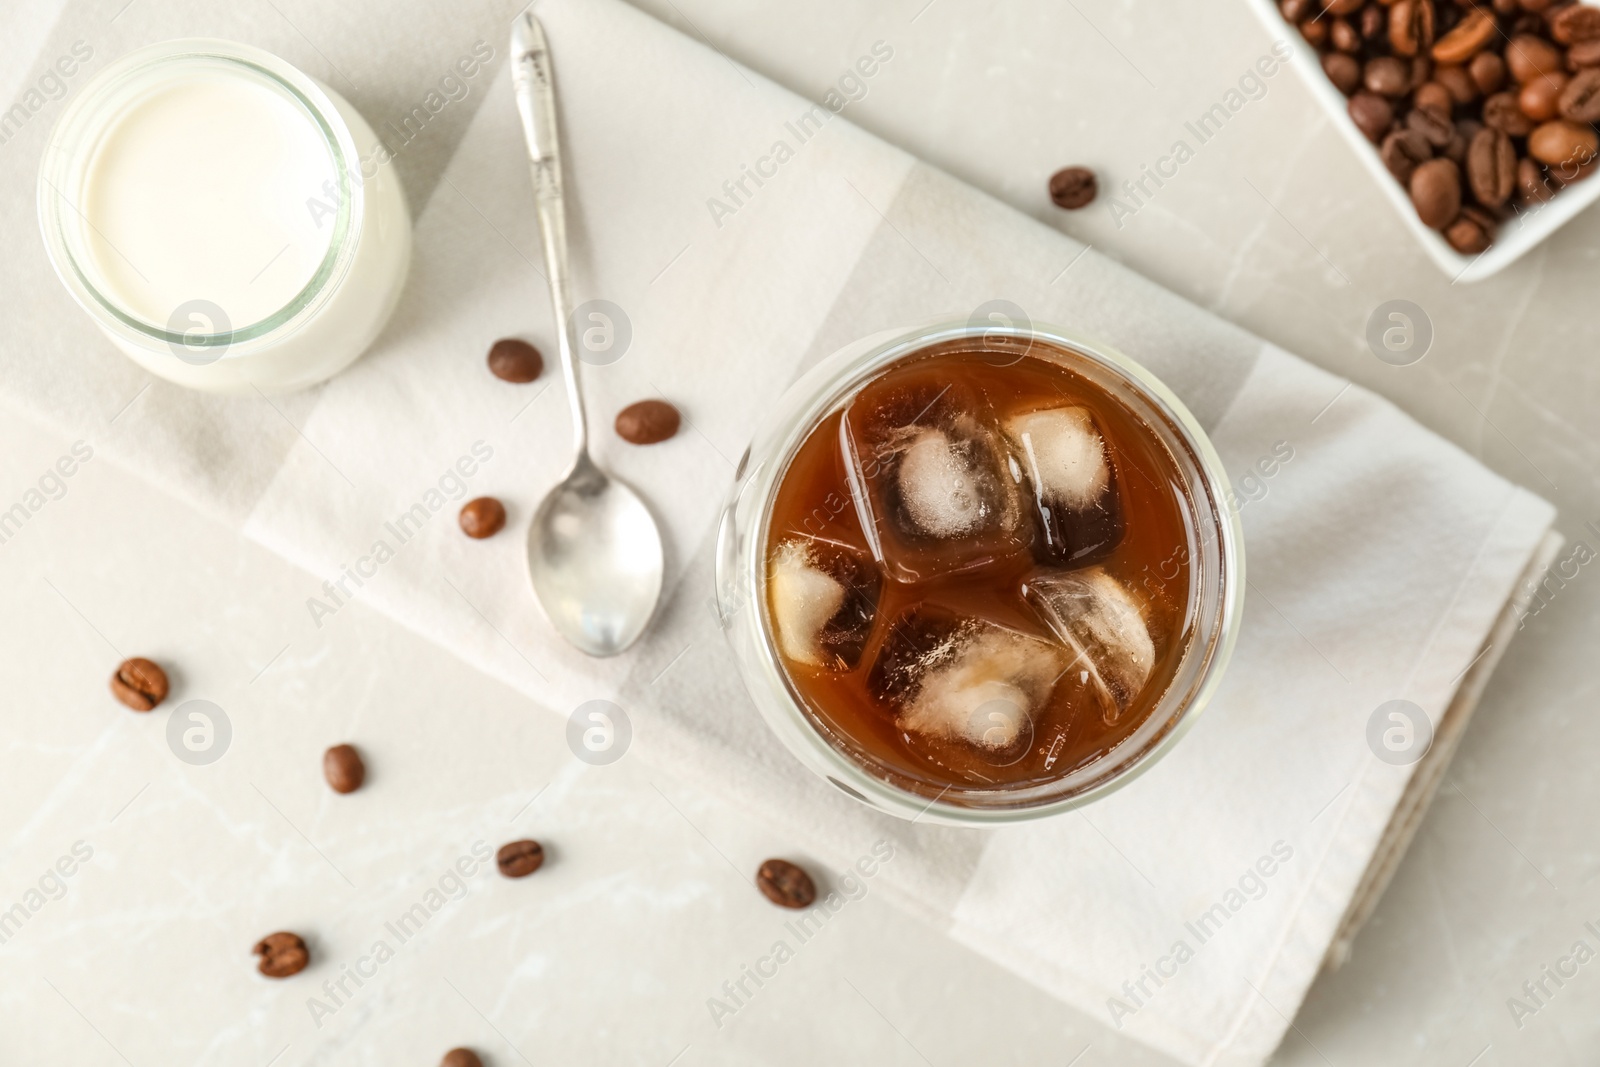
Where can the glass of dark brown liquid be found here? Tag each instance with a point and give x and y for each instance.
(980, 575)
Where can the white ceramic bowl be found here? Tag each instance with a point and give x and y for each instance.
(1516, 236)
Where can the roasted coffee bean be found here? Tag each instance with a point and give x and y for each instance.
(1344, 36)
(1491, 167)
(1436, 98)
(1295, 10)
(1469, 37)
(1315, 31)
(1583, 55)
(1374, 22)
(1073, 187)
(461, 1057)
(1539, 99)
(139, 683)
(1342, 7)
(1468, 235)
(282, 954)
(1343, 71)
(1436, 192)
(1562, 143)
(1532, 186)
(1386, 76)
(1572, 25)
(1402, 151)
(1580, 100)
(1504, 113)
(1463, 90)
(1421, 72)
(785, 884)
(515, 360)
(483, 517)
(1488, 72)
(1528, 56)
(647, 422)
(519, 859)
(1372, 114)
(1439, 130)
(342, 767)
(1411, 24)
(1456, 149)
(1571, 173)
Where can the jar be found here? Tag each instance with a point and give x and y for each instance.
(231, 224)
(1214, 597)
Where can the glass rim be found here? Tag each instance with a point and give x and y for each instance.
(97, 109)
(795, 723)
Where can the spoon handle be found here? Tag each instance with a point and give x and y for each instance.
(535, 87)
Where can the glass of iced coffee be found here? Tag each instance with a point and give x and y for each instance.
(978, 574)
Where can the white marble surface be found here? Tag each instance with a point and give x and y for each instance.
(610, 954)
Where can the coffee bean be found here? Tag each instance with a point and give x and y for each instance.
(1436, 98)
(1402, 151)
(1315, 31)
(342, 767)
(1580, 100)
(1342, 7)
(1436, 192)
(647, 422)
(282, 954)
(139, 683)
(461, 1057)
(1374, 22)
(1295, 10)
(1584, 54)
(1528, 56)
(1372, 114)
(519, 859)
(1073, 187)
(1572, 25)
(1488, 72)
(1492, 167)
(1470, 36)
(785, 884)
(1386, 76)
(482, 517)
(1534, 6)
(1562, 143)
(1468, 235)
(1438, 129)
(1421, 73)
(1532, 186)
(1343, 71)
(1504, 113)
(1463, 90)
(1344, 37)
(1539, 99)
(514, 360)
(1411, 25)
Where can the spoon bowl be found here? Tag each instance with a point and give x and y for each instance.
(595, 560)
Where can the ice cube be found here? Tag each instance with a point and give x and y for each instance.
(928, 476)
(967, 681)
(1103, 623)
(824, 596)
(1063, 456)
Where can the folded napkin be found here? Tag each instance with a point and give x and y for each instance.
(747, 233)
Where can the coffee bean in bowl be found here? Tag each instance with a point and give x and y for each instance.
(282, 954)
(343, 768)
(647, 422)
(139, 683)
(786, 884)
(483, 517)
(519, 858)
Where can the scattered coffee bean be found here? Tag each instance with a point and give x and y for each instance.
(647, 422)
(342, 767)
(514, 360)
(1575, 24)
(1563, 143)
(1436, 192)
(139, 683)
(1402, 151)
(1372, 114)
(1492, 167)
(1343, 71)
(520, 858)
(461, 1057)
(1580, 100)
(785, 884)
(282, 954)
(1073, 187)
(482, 517)
(1386, 76)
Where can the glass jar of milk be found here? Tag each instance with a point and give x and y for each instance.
(231, 223)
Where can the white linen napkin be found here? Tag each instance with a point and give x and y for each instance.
(1193, 908)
